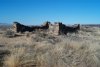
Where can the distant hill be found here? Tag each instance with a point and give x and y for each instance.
(4, 26)
(91, 25)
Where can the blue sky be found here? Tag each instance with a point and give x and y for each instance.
(39, 11)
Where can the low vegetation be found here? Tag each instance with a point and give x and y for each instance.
(9, 33)
(44, 50)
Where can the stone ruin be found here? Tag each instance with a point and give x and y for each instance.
(59, 28)
(56, 28)
(17, 27)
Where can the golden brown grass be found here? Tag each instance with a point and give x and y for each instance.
(15, 59)
(70, 54)
(75, 50)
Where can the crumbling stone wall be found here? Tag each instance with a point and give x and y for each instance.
(59, 28)
(55, 29)
(44, 27)
(17, 27)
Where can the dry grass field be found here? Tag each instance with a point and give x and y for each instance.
(44, 50)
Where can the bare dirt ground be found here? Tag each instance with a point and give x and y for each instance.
(44, 50)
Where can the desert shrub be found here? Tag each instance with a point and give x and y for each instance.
(45, 37)
(20, 57)
(9, 33)
(3, 53)
(88, 29)
(1, 32)
(27, 34)
(39, 36)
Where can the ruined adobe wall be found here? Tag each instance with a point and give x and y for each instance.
(59, 28)
(14, 27)
(17, 27)
(54, 29)
(62, 28)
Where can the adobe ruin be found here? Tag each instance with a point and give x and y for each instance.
(17, 27)
(56, 28)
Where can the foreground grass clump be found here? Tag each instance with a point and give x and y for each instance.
(9, 34)
(19, 58)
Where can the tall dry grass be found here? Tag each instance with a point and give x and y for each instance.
(63, 54)
(73, 50)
